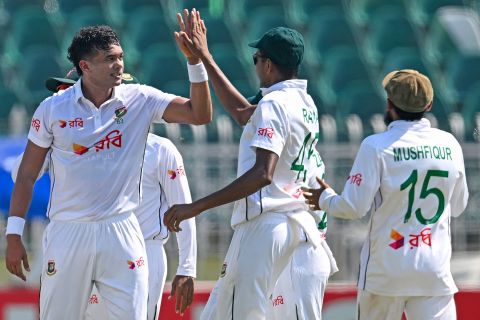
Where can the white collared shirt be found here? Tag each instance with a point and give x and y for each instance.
(164, 183)
(286, 123)
(97, 153)
(413, 178)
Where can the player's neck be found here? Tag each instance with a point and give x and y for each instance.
(96, 94)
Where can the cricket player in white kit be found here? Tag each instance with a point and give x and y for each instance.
(164, 183)
(412, 177)
(277, 156)
(301, 286)
(97, 130)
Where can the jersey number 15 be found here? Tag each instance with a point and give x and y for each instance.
(425, 192)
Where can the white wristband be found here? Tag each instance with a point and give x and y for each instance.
(197, 73)
(15, 225)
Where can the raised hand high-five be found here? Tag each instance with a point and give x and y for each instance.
(192, 39)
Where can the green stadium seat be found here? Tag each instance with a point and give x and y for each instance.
(263, 19)
(85, 16)
(217, 30)
(160, 66)
(21, 36)
(470, 111)
(362, 99)
(69, 7)
(422, 11)
(363, 12)
(300, 10)
(228, 60)
(120, 11)
(38, 63)
(328, 28)
(388, 31)
(344, 67)
(177, 87)
(146, 28)
(461, 74)
(438, 45)
(441, 113)
(11, 6)
(403, 58)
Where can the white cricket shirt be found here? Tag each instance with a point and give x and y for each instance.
(286, 123)
(413, 178)
(164, 183)
(97, 153)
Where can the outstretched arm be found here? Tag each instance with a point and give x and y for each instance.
(259, 176)
(195, 43)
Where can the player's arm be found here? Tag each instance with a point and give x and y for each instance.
(359, 191)
(193, 41)
(177, 191)
(30, 166)
(259, 176)
(16, 166)
(460, 194)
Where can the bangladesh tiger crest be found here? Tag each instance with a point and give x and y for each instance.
(119, 113)
(224, 270)
(51, 268)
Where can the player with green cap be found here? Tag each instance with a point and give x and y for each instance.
(277, 156)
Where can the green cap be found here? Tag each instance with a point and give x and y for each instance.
(284, 46)
(53, 83)
(408, 90)
(256, 98)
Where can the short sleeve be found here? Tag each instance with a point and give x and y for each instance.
(157, 101)
(172, 174)
(40, 127)
(270, 123)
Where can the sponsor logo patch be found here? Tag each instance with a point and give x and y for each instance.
(137, 263)
(425, 237)
(266, 132)
(356, 179)
(173, 173)
(77, 122)
(399, 239)
(93, 299)
(36, 124)
(277, 301)
(113, 138)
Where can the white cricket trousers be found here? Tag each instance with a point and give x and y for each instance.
(157, 274)
(299, 291)
(259, 251)
(376, 307)
(109, 253)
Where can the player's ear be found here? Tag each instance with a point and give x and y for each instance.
(84, 66)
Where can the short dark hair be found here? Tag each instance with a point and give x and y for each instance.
(408, 116)
(89, 40)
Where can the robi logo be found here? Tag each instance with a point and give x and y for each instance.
(399, 239)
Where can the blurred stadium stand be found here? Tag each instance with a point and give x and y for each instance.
(350, 46)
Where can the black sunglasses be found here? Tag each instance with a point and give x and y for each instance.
(256, 56)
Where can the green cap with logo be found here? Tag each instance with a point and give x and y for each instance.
(409, 90)
(284, 46)
(54, 83)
